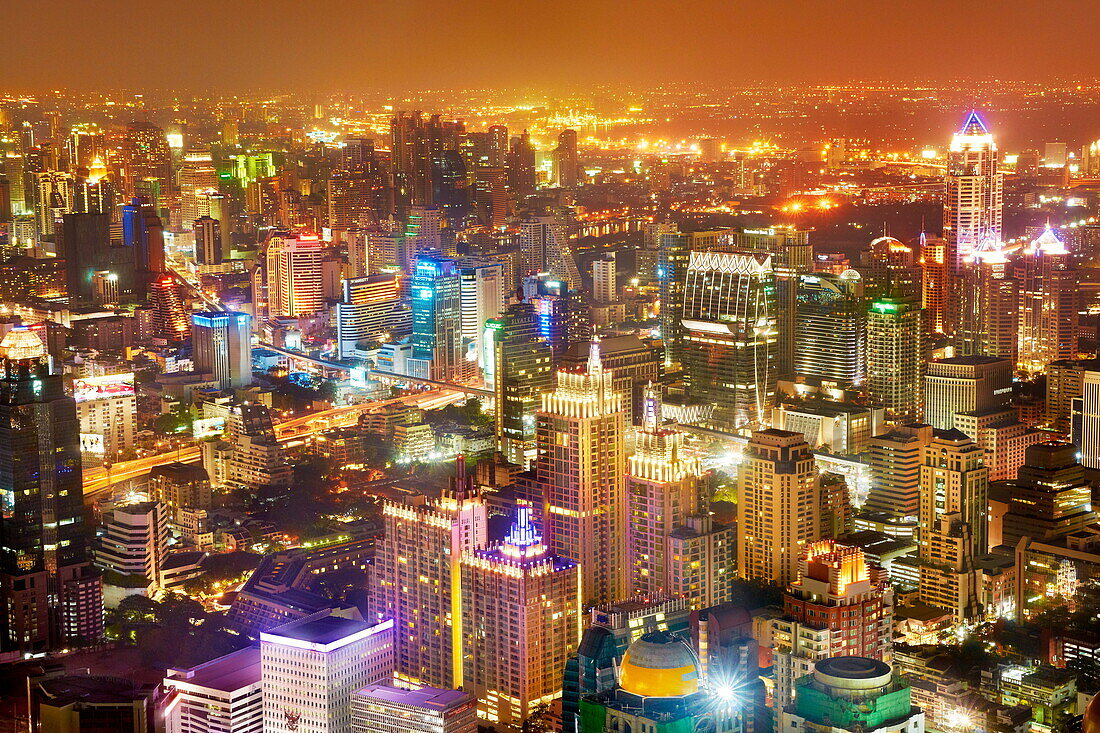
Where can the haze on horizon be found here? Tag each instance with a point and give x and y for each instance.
(326, 45)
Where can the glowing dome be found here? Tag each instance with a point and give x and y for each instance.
(1091, 721)
(19, 343)
(659, 665)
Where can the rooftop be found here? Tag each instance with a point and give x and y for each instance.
(430, 698)
(324, 630)
(228, 673)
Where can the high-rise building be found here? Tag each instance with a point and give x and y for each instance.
(830, 329)
(418, 569)
(730, 336)
(170, 321)
(294, 274)
(1065, 378)
(1050, 497)
(387, 709)
(894, 460)
(673, 254)
(484, 290)
(521, 619)
(84, 243)
(663, 494)
(580, 468)
(180, 486)
(221, 696)
(965, 384)
(1085, 419)
(107, 409)
(890, 268)
(996, 294)
(198, 178)
(221, 344)
(131, 545)
(895, 356)
(567, 172)
(936, 283)
(310, 668)
(1048, 280)
(777, 513)
(839, 606)
(147, 159)
(541, 239)
(209, 247)
(604, 287)
(519, 368)
(371, 311)
(851, 694)
(521, 167)
(953, 521)
(51, 596)
(143, 232)
(635, 364)
(437, 318)
(973, 206)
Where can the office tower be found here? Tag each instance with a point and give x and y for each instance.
(635, 364)
(198, 178)
(852, 694)
(673, 252)
(352, 199)
(310, 668)
(221, 696)
(541, 238)
(209, 248)
(604, 286)
(53, 198)
(221, 345)
(936, 279)
(1048, 279)
(52, 596)
(146, 158)
(567, 172)
(663, 497)
(180, 486)
(370, 311)
(895, 356)
(131, 545)
(777, 514)
(170, 321)
(521, 167)
(483, 291)
(419, 157)
(1065, 379)
(294, 274)
(521, 619)
(791, 257)
(519, 368)
(85, 246)
(437, 318)
(730, 336)
(93, 193)
(965, 384)
(418, 569)
(490, 196)
(1085, 418)
(580, 466)
(996, 295)
(894, 460)
(143, 233)
(953, 524)
(839, 606)
(386, 709)
(830, 331)
(1050, 497)
(562, 317)
(837, 428)
(107, 409)
(972, 209)
(660, 686)
(889, 267)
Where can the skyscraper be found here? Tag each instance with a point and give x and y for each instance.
(51, 595)
(198, 178)
(604, 286)
(521, 167)
(437, 318)
(953, 521)
(894, 460)
(567, 173)
(673, 253)
(370, 311)
(730, 335)
(1048, 280)
(541, 238)
(972, 210)
(294, 274)
(221, 343)
(521, 619)
(936, 285)
(170, 321)
(895, 357)
(831, 329)
(143, 232)
(580, 466)
(1050, 497)
(965, 384)
(777, 514)
(209, 248)
(484, 290)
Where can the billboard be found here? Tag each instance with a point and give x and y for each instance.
(92, 443)
(207, 427)
(105, 387)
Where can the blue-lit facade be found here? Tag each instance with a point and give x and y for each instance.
(222, 346)
(437, 316)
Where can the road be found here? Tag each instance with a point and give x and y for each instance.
(97, 480)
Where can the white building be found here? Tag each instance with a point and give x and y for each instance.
(107, 409)
(222, 696)
(132, 542)
(311, 667)
(385, 709)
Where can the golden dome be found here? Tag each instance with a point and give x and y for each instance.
(1091, 722)
(19, 343)
(659, 665)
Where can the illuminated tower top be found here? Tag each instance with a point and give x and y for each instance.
(659, 455)
(584, 394)
(972, 210)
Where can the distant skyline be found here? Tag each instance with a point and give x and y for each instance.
(416, 44)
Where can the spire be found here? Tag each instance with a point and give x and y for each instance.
(595, 364)
(460, 482)
(651, 409)
(523, 533)
(1048, 243)
(974, 125)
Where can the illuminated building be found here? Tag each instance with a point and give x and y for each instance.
(386, 709)
(197, 179)
(580, 468)
(424, 232)
(491, 196)
(256, 460)
(221, 696)
(561, 316)
(131, 544)
(310, 668)
(540, 239)
(521, 618)
(418, 154)
(661, 688)
(668, 549)
(838, 428)
(53, 198)
(997, 298)
(830, 330)
(1050, 498)
(418, 571)
(170, 322)
(370, 311)
(521, 166)
(51, 596)
(180, 486)
(894, 460)
(567, 173)
(146, 157)
(209, 247)
(673, 253)
(895, 356)
(604, 288)
(84, 244)
(953, 523)
(294, 274)
(634, 364)
(1048, 281)
(850, 694)
(777, 509)
(483, 291)
(1065, 380)
(936, 283)
(107, 409)
(352, 199)
(965, 384)
(730, 336)
(837, 607)
(221, 345)
(143, 233)
(972, 210)
(437, 318)
(519, 368)
(889, 267)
